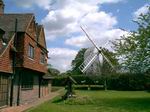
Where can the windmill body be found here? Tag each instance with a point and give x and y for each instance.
(95, 67)
(96, 53)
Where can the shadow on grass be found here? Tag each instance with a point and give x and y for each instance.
(58, 100)
(148, 91)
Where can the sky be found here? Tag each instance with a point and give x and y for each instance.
(104, 20)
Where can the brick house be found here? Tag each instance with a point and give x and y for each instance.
(23, 59)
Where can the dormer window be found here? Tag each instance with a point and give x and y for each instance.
(31, 51)
(2, 42)
(2, 32)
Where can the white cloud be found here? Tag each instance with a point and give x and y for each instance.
(44, 4)
(141, 10)
(61, 58)
(99, 20)
(64, 20)
(99, 1)
(100, 38)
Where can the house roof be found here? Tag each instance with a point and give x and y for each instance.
(8, 24)
(8, 21)
(40, 39)
(6, 41)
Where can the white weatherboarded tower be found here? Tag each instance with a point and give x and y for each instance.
(95, 67)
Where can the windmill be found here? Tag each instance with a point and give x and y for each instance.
(98, 52)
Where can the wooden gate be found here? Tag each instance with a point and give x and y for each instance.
(4, 90)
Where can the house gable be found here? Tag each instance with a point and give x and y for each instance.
(31, 29)
(5, 56)
(41, 37)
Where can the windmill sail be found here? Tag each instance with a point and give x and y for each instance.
(84, 66)
(109, 62)
(90, 39)
(88, 62)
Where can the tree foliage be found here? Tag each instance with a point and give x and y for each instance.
(134, 49)
(53, 71)
(78, 61)
(106, 68)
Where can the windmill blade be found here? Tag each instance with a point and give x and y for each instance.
(109, 62)
(90, 39)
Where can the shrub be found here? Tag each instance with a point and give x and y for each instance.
(117, 81)
(81, 100)
(127, 82)
(59, 81)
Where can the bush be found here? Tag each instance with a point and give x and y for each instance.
(84, 100)
(124, 81)
(80, 79)
(59, 81)
(127, 82)
(88, 80)
(147, 82)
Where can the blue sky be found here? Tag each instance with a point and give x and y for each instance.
(62, 18)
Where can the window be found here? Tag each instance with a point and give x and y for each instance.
(27, 82)
(42, 58)
(4, 87)
(31, 51)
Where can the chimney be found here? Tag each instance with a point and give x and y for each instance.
(2, 7)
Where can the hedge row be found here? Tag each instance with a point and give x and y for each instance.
(129, 82)
(80, 79)
(114, 82)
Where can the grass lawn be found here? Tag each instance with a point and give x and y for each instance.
(99, 101)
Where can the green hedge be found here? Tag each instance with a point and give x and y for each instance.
(59, 81)
(128, 82)
(80, 79)
(114, 82)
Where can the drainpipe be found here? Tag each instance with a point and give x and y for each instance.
(14, 64)
(19, 84)
(40, 79)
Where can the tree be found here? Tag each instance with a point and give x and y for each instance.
(78, 61)
(134, 49)
(52, 71)
(106, 68)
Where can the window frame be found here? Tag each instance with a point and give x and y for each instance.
(27, 82)
(42, 58)
(30, 51)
